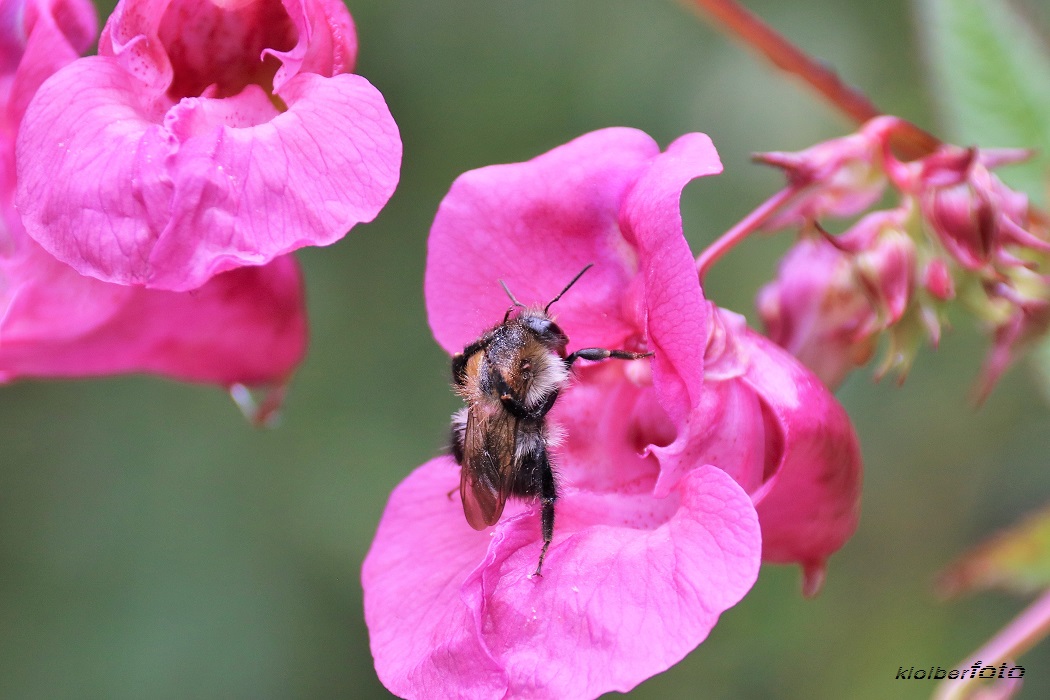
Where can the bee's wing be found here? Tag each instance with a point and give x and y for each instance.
(488, 461)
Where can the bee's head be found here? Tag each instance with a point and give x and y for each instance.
(538, 321)
(547, 331)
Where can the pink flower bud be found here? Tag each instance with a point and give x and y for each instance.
(972, 213)
(938, 281)
(1028, 319)
(841, 177)
(965, 221)
(834, 294)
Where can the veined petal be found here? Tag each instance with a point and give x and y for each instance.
(675, 314)
(631, 585)
(668, 570)
(535, 225)
(96, 171)
(244, 327)
(113, 193)
(38, 37)
(423, 637)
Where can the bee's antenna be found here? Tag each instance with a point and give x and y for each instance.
(567, 287)
(511, 295)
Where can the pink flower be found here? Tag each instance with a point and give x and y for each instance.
(656, 530)
(244, 326)
(834, 295)
(840, 177)
(937, 280)
(206, 136)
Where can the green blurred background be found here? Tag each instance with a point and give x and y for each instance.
(153, 545)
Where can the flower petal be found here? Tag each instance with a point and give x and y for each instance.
(535, 225)
(724, 429)
(675, 315)
(610, 198)
(810, 502)
(38, 37)
(609, 417)
(327, 40)
(120, 197)
(184, 46)
(245, 326)
(623, 597)
(422, 636)
(631, 585)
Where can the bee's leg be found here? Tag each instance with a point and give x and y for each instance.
(596, 354)
(459, 360)
(548, 495)
(519, 410)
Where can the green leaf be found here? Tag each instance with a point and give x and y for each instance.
(1015, 560)
(990, 74)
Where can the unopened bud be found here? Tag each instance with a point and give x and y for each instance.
(834, 295)
(938, 281)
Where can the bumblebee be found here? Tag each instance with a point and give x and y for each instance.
(510, 378)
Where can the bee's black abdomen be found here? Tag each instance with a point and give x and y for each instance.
(531, 463)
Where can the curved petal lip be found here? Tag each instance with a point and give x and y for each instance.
(535, 225)
(118, 196)
(675, 313)
(624, 595)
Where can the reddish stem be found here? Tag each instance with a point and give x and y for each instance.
(737, 22)
(743, 228)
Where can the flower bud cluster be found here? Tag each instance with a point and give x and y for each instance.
(955, 233)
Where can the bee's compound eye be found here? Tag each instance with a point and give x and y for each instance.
(546, 330)
(538, 324)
